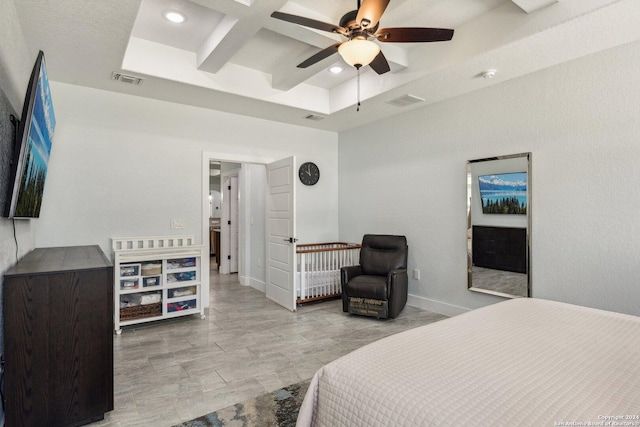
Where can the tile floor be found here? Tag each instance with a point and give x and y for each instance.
(172, 371)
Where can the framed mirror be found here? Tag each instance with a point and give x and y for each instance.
(499, 225)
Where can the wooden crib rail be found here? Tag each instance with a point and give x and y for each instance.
(307, 248)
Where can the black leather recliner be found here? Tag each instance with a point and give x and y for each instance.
(377, 287)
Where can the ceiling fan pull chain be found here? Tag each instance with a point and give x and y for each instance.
(358, 84)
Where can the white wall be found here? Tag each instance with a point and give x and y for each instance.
(125, 166)
(406, 175)
(256, 223)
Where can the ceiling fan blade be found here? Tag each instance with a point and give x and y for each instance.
(413, 35)
(370, 12)
(380, 64)
(324, 53)
(307, 22)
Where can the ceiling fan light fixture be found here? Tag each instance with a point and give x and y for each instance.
(358, 52)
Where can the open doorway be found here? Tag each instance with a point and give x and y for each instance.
(259, 259)
(224, 213)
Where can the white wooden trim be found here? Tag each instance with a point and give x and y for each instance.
(435, 306)
(150, 242)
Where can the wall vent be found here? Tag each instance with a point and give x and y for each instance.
(405, 100)
(126, 78)
(314, 117)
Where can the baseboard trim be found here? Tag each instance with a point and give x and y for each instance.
(435, 306)
(258, 284)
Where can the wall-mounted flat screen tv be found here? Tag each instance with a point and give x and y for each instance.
(503, 193)
(33, 146)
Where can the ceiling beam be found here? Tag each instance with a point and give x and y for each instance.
(228, 37)
(531, 6)
(239, 25)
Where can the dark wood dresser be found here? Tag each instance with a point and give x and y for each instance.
(58, 332)
(500, 248)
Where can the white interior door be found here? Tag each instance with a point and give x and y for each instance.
(229, 224)
(281, 231)
(234, 229)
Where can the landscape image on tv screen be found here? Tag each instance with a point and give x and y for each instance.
(504, 193)
(34, 156)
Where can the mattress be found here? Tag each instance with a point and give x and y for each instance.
(522, 362)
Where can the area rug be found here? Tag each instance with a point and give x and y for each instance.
(276, 409)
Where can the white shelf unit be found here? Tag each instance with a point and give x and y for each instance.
(156, 278)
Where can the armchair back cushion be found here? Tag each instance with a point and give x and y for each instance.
(382, 253)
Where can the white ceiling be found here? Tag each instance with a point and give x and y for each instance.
(230, 55)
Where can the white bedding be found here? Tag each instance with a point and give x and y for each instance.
(522, 362)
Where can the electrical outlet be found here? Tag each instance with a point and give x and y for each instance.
(416, 274)
(177, 224)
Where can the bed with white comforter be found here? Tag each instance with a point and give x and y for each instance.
(522, 362)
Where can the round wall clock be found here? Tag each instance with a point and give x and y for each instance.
(309, 173)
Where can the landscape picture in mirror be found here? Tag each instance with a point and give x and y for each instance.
(33, 146)
(503, 193)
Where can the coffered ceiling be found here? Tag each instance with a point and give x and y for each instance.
(231, 55)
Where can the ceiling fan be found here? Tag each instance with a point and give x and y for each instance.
(358, 26)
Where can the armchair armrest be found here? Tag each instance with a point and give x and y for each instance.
(397, 277)
(348, 273)
(394, 275)
(397, 288)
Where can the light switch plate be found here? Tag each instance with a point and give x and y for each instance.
(177, 224)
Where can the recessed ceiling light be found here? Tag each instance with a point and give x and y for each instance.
(336, 69)
(175, 17)
(489, 74)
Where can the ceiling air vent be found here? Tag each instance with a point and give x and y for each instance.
(126, 78)
(405, 101)
(314, 117)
